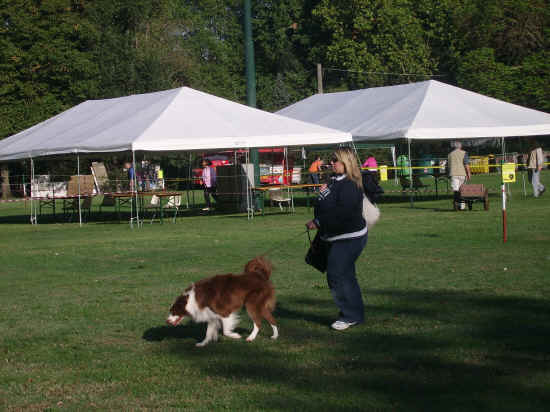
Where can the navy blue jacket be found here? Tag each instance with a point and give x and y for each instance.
(339, 210)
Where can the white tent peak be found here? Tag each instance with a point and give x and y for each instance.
(176, 119)
(422, 110)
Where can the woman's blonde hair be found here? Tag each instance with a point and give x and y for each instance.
(347, 157)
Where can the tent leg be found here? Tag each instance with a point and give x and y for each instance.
(34, 214)
(78, 174)
(135, 194)
(503, 190)
(190, 183)
(396, 180)
(410, 175)
(249, 195)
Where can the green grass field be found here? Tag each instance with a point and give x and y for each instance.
(456, 320)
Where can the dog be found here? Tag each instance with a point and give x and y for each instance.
(217, 301)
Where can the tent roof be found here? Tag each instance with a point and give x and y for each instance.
(423, 110)
(177, 119)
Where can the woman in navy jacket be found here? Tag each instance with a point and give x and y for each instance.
(339, 219)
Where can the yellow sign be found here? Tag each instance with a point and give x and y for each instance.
(383, 173)
(508, 172)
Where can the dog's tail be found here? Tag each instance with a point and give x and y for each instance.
(259, 265)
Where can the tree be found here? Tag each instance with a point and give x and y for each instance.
(505, 53)
(46, 62)
(284, 74)
(371, 38)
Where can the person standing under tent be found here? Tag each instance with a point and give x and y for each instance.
(535, 162)
(371, 186)
(160, 177)
(315, 169)
(209, 182)
(458, 168)
(371, 164)
(339, 218)
(131, 175)
(403, 166)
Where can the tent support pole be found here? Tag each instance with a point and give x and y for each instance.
(356, 154)
(34, 214)
(524, 170)
(410, 175)
(78, 174)
(503, 189)
(289, 175)
(396, 180)
(249, 201)
(135, 193)
(189, 184)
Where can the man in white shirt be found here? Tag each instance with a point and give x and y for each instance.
(534, 165)
(458, 164)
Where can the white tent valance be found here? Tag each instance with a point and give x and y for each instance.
(423, 110)
(177, 119)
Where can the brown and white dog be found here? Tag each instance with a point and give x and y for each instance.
(217, 301)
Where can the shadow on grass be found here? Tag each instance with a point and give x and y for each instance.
(286, 312)
(419, 350)
(15, 219)
(112, 218)
(160, 333)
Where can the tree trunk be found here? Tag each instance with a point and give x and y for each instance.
(6, 191)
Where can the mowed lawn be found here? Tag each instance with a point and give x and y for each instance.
(456, 320)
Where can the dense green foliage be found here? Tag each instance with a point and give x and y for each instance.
(57, 53)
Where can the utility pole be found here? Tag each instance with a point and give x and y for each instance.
(251, 87)
(319, 78)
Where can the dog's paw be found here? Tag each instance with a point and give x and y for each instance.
(250, 338)
(201, 344)
(233, 335)
(274, 337)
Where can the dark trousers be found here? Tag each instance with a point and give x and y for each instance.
(207, 192)
(342, 279)
(314, 177)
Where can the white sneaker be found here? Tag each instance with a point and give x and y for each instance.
(342, 325)
(205, 208)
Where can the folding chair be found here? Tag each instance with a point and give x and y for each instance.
(153, 206)
(174, 202)
(280, 196)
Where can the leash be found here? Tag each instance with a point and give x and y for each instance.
(279, 244)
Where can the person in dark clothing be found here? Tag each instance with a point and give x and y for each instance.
(339, 219)
(372, 188)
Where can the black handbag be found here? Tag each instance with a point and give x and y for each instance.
(317, 255)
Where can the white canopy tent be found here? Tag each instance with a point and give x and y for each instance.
(426, 110)
(180, 119)
(423, 110)
(177, 119)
